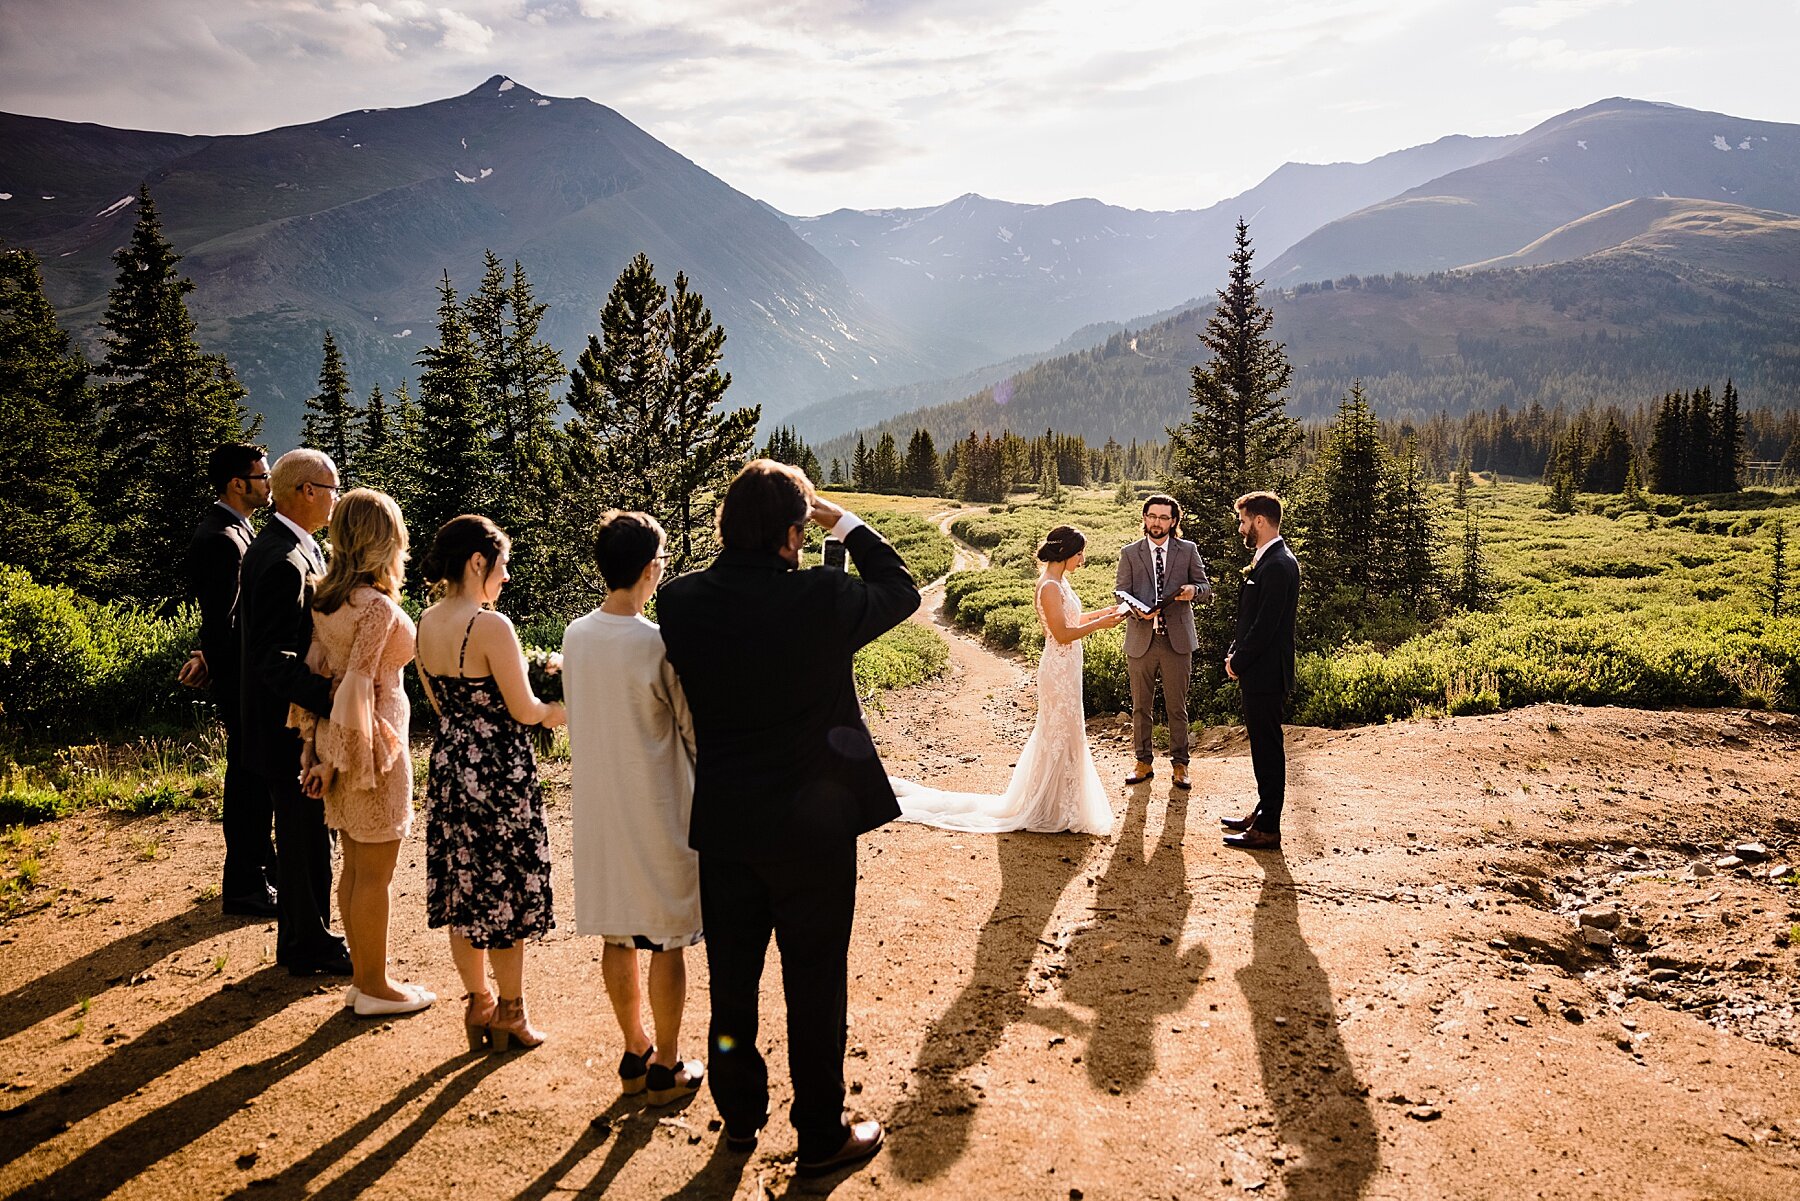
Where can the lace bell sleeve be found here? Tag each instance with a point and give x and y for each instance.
(356, 740)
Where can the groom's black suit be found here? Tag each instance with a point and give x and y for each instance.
(275, 619)
(785, 778)
(1262, 655)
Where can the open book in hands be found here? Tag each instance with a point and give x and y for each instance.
(1136, 605)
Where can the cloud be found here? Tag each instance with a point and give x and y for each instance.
(1554, 54)
(1548, 14)
(847, 146)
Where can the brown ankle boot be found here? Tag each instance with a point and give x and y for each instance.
(512, 1024)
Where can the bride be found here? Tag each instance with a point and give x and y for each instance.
(1055, 786)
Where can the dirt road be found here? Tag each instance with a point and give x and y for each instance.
(1399, 1005)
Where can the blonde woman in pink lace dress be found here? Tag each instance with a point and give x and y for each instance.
(357, 758)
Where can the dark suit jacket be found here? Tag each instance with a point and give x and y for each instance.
(1262, 649)
(275, 618)
(783, 761)
(214, 556)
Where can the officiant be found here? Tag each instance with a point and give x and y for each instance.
(1163, 573)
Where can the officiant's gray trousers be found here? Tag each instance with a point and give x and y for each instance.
(1176, 670)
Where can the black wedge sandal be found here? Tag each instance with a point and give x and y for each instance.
(634, 1071)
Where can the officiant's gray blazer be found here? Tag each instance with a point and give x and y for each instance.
(1182, 565)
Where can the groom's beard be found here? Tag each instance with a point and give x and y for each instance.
(1250, 543)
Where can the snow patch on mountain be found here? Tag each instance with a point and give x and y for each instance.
(541, 103)
(507, 85)
(1720, 143)
(114, 207)
(1004, 234)
(5, 195)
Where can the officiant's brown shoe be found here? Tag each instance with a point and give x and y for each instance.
(1254, 840)
(1139, 773)
(1181, 780)
(862, 1140)
(1237, 825)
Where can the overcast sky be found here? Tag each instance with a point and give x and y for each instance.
(817, 104)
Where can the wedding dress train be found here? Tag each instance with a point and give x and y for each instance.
(1055, 785)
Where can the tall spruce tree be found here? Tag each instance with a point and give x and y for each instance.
(518, 373)
(451, 453)
(1728, 443)
(617, 436)
(1775, 587)
(331, 417)
(1474, 589)
(924, 472)
(48, 522)
(884, 463)
(164, 404)
(707, 443)
(375, 444)
(1236, 438)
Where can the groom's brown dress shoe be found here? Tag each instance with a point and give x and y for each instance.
(1238, 824)
(863, 1141)
(1254, 840)
(1181, 780)
(1139, 773)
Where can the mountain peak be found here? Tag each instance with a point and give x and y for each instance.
(496, 85)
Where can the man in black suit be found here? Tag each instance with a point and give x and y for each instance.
(239, 476)
(275, 618)
(1261, 660)
(786, 777)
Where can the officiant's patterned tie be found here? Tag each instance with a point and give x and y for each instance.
(1159, 588)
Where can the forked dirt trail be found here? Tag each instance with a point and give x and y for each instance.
(1399, 1005)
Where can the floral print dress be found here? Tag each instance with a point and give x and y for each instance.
(487, 852)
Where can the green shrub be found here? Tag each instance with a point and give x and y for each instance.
(1004, 625)
(906, 655)
(69, 664)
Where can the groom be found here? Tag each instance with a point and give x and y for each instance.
(1161, 569)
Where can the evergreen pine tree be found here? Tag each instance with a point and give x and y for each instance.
(1633, 489)
(1728, 443)
(706, 444)
(403, 461)
(1460, 483)
(455, 473)
(924, 473)
(1474, 589)
(1412, 536)
(1235, 439)
(1606, 470)
(837, 473)
(163, 406)
(1666, 435)
(1049, 487)
(618, 437)
(374, 444)
(884, 464)
(48, 523)
(1775, 587)
(1561, 498)
(330, 421)
(861, 473)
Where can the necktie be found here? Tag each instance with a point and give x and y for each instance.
(1159, 588)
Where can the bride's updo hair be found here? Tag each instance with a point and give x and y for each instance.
(1063, 542)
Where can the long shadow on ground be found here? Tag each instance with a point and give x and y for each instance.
(115, 963)
(213, 1020)
(1130, 968)
(137, 1146)
(1320, 1106)
(1034, 871)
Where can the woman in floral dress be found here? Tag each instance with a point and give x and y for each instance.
(487, 853)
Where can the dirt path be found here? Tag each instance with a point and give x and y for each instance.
(1400, 1005)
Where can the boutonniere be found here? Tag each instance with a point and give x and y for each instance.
(1246, 570)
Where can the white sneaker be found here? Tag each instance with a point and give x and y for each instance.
(370, 1007)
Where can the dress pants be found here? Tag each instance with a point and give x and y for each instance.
(1268, 756)
(302, 873)
(248, 815)
(808, 902)
(1177, 669)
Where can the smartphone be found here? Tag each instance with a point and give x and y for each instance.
(835, 554)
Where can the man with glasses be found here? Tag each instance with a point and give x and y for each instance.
(239, 476)
(275, 619)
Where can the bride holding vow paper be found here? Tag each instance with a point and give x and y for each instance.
(1055, 786)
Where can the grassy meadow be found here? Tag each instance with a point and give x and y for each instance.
(1659, 605)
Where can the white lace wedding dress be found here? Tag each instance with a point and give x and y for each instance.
(1055, 786)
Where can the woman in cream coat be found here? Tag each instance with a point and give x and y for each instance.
(637, 883)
